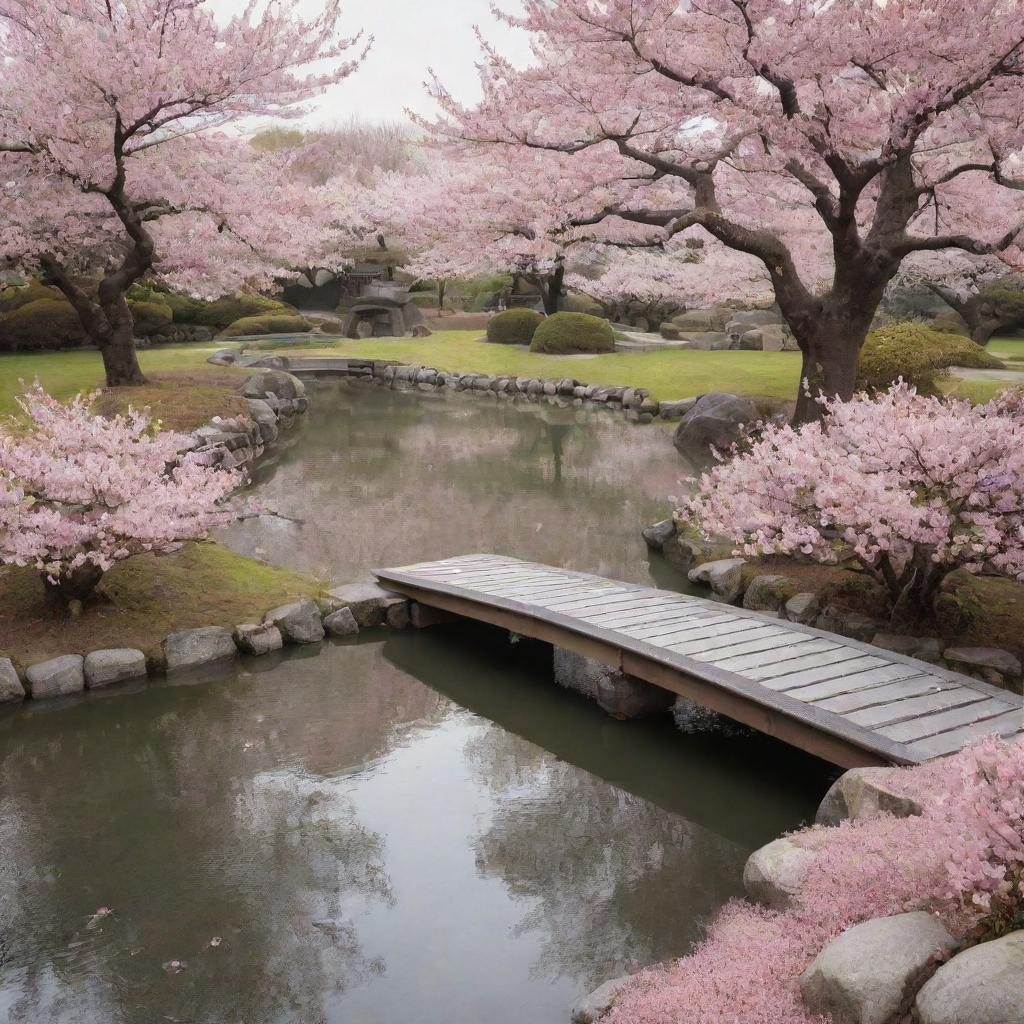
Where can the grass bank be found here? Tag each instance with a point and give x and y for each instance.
(184, 390)
(143, 599)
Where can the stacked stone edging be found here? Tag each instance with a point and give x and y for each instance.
(635, 403)
(340, 612)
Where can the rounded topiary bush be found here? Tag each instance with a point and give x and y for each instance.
(573, 332)
(21, 295)
(42, 324)
(514, 326)
(270, 324)
(229, 308)
(150, 317)
(918, 354)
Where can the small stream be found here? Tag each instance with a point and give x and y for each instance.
(417, 826)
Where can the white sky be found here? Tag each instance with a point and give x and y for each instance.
(410, 36)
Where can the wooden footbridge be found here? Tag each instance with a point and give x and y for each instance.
(845, 701)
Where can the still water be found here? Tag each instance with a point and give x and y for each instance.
(417, 826)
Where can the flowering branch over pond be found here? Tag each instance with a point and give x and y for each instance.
(79, 492)
(911, 487)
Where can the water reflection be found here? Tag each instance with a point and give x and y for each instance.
(411, 824)
(381, 477)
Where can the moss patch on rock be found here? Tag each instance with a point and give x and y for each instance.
(981, 611)
(143, 599)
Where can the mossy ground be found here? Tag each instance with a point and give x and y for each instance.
(143, 599)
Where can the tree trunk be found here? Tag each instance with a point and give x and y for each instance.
(120, 360)
(830, 352)
(75, 585)
(441, 285)
(551, 290)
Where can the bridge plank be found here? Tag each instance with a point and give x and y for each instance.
(835, 697)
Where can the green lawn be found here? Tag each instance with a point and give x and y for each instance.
(185, 390)
(667, 375)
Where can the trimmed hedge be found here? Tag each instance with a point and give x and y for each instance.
(573, 332)
(15, 297)
(149, 317)
(226, 310)
(42, 324)
(273, 324)
(514, 326)
(918, 354)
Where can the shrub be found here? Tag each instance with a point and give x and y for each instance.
(229, 308)
(913, 487)
(150, 317)
(514, 326)
(15, 297)
(573, 332)
(185, 309)
(270, 324)
(918, 354)
(45, 323)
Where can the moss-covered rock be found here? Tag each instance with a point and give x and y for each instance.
(918, 354)
(45, 323)
(573, 332)
(514, 326)
(149, 316)
(269, 324)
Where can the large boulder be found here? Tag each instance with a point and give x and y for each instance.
(717, 420)
(657, 535)
(369, 602)
(700, 320)
(57, 677)
(116, 665)
(872, 971)
(258, 638)
(190, 648)
(620, 695)
(706, 341)
(341, 623)
(982, 985)
(273, 382)
(589, 1009)
(299, 622)
(724, 576)
(864, 793)
(768, 593)
(803, 608)
(10, 685)
(773, 874)
(1001, 668)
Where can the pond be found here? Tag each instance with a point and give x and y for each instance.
(415, 826)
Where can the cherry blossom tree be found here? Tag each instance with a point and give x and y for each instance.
(829, 141)
(115, 165)
(79, 492)
(979, 289)
(911, 487)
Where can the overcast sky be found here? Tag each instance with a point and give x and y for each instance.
(410, 36)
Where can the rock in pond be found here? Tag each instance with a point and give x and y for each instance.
(116, 665)
(716, 420)
(981, 985)
(57, 677)
(190, 648)
(864, 792)
(369, 602)
(258, 638)
(871, 973)
(591, 1008)
(10, 685)
(773, 874)
(620, 695)
(341, 623)
(299, 622)
(724, 576)
(658, 534)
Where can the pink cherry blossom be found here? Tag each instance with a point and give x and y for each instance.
(79, 492)
(910, 487)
